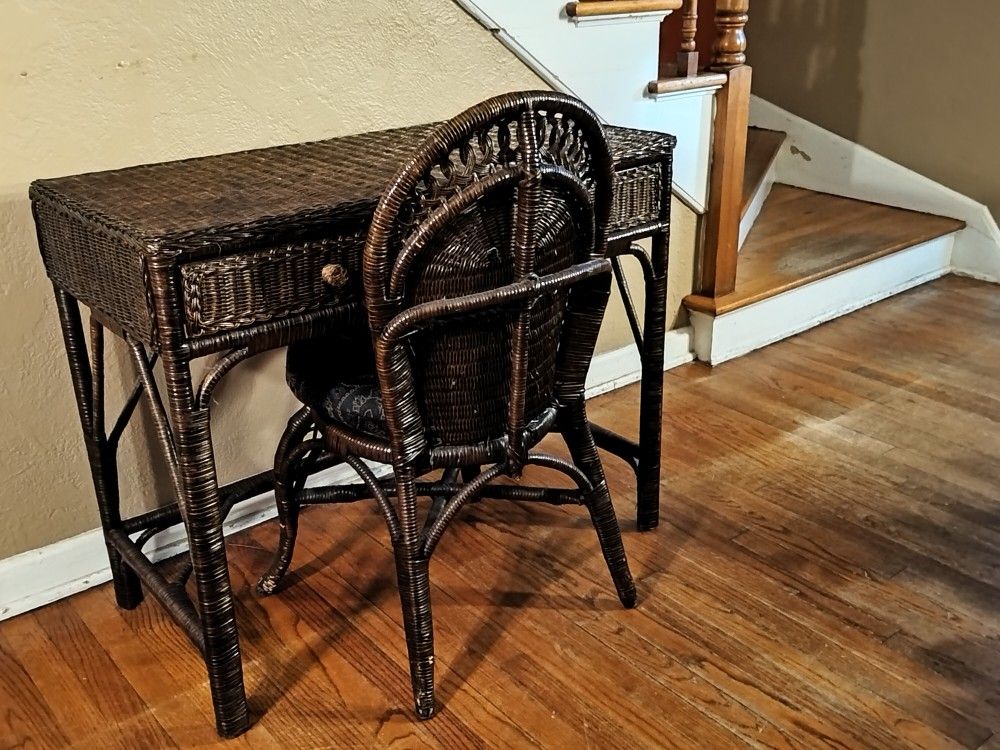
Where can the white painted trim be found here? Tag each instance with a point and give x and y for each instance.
(724, 337)
(652, 16)
(685, 93)
(41, 576)
(757, 203)
(574, 60)
(817, 159)
(688, 200)
(621, 367)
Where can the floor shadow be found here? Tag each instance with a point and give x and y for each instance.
(500, 603)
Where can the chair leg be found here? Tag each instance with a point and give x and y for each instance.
(580, 440)
(286, 487)
(415, 597)
(602, 515)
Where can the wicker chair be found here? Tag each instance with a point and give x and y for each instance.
(485, 282)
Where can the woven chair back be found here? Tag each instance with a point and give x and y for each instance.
(484, 272)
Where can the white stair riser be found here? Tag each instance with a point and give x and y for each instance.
(757, 203)
(724, 337)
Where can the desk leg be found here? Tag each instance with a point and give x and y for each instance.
(189, 453)
(644, 457)
(88, 387)
(202, 512)
(651, 393)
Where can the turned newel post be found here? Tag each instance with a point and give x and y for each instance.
(730, 46)
(687, 58)
(729, 145)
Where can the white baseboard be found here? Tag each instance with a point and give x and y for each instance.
(757, 203)
(41, 576)
(621, 367)
(817, 159)
(724, 337)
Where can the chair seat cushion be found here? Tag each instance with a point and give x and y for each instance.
(335, 376)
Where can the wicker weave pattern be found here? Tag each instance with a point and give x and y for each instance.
(190, 258)
(100, 228)
(173, 204)
(638, 197)
(235, 291)
(485, 280)
(120, 291)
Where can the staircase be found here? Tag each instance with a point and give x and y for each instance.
(807, 256)
(793, 225)
(758, 175)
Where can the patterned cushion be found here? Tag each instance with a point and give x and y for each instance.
(335, 376)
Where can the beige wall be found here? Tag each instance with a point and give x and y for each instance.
(102, 84)
(913, 80)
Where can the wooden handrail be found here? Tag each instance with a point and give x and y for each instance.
(729, 50)
(727, 69)
(675, 85)
(719, 46)
(586, 8)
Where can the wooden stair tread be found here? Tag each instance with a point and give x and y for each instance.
(803, 236)
(762, 149)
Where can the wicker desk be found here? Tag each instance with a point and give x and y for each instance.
(222, 255)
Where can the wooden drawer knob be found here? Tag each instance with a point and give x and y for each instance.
(335, 275)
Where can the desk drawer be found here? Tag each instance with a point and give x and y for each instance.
(224, 294)
(638, 197)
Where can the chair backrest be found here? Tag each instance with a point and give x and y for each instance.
(485, 275)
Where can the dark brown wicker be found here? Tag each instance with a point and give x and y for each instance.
(250, 231)
(223, 255)
(486, 276)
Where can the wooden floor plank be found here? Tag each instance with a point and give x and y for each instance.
(585, 586)
(26, 719)
(67, 693)
(360, 610)
(777, 469)
(111, 693)
(531, 664)
(867, 572)
(826, 574)
(649, 703)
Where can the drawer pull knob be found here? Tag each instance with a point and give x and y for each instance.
(335, 275)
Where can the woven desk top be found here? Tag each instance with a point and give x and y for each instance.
(241, 238)
(181, 205)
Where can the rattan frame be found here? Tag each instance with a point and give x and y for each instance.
(108, 245)
(561, 161)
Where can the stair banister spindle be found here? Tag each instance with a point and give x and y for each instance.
(687, 58)
(729, 50)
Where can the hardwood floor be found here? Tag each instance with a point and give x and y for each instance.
(826, 574)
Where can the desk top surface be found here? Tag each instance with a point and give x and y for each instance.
(169, 202)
